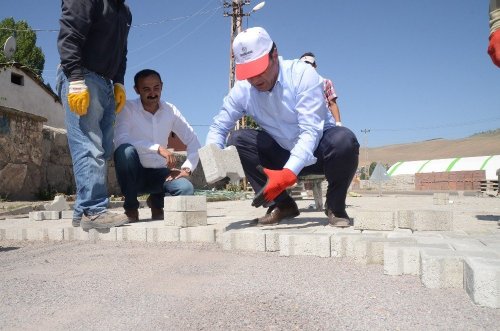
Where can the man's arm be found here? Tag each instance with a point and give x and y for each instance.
(187, 135)
(226, 119)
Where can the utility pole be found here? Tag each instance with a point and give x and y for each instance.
(366, 131)
(236, 12)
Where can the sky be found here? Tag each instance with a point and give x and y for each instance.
(404, 71)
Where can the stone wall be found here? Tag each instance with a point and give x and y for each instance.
(20, 154)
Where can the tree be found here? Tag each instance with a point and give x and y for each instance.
(27, 53)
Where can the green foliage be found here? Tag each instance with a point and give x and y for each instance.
(27, 53)
(250, 123)
(372, 167)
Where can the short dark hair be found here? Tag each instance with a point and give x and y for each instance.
(145, 73)
(273, 47)
(307, 54)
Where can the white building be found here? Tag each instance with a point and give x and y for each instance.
(22, 90)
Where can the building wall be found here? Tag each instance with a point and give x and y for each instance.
(29, 97)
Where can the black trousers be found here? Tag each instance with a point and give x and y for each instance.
(337, 158)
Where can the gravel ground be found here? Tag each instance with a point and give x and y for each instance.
(180, 286)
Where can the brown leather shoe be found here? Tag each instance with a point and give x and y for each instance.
(339, 222)
(278, 213)
(132, 215)
(156, 213)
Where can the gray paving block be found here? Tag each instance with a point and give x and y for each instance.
(186, 218)
(342, 244)
(185, 203)
(2, 234)
(36, 216)
(425, 220)
(59, 204)
(220, 163)
(250, 240)
(165, 234)
(445, 269)
(51, 214)
(36, 234)
(441, 198)
(71, 233)
(482, 281)
(15, 234)
(103, 234)
(272, 241)
(198, 234)
(317, 244)
(404, 258)
(374, 220)
(129, 233)
(55, 234)
(67, 214)
(370, 250)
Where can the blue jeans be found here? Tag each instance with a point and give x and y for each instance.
(134, 179)
(90, 140)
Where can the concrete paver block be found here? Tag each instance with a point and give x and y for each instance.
(403, 258)
(482, 281)
(129, 233)
(220, 163)
(165, 234)
(198, 234)
(185, 218)
(441, 198)
(370, 250)
(444, 269)
(342, 244)
(244, 240)
(59, 204)
(51, 214)
(15, 234)
(67, 214)
(71, 233)
(374, 220)
(425, 220)
(36, 216)
(55, 234)
(36, 234)
(185, 203)
(316, 244)
(272, 241)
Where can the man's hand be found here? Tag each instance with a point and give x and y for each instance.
(120, 97)
(78, 97)
(277, 182)
(178, 173)
(170, 159)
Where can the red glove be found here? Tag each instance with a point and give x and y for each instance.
(277, 182)
(494, 47)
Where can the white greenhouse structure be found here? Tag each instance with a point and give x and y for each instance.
(488, 163)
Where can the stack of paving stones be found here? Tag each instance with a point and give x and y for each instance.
(413, 242)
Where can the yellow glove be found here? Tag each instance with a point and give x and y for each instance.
(78, 97)
(120, 97)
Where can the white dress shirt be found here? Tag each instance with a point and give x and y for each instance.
(294, 112)
(146, 132)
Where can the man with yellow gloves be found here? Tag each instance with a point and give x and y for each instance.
(92, 45)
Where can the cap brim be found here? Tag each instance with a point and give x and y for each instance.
(251, 69)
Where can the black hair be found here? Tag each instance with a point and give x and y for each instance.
(307, 54)
(145, 73)
(273, 47)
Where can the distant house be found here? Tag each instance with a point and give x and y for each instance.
(22, 90)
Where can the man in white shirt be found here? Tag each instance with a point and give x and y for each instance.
(142, 161)
(285, 98)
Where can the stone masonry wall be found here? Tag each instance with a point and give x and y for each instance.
(20, 154)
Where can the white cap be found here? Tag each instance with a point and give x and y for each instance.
(251, 52)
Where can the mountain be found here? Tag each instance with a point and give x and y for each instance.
(480, 144)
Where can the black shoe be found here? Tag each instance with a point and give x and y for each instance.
(277, 213)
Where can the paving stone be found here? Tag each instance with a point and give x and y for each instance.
(164, 234)
(198, 234)
(59, 204)
(51, 214)
(250, 240)
(371, 250)
(316, 244)
(342, 244)
(129, 233)
(220, 163)
(185, 203)
(55, 234)
(482, 281)
(374, 220)
(67, 214)
(403, 258)
(445, 269)
(425, 220)
(36, 216)
(71, 233)
(15, 234)
(272, 241)
(36, 234)
(186, 218)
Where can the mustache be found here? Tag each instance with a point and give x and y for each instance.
(152, 97)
